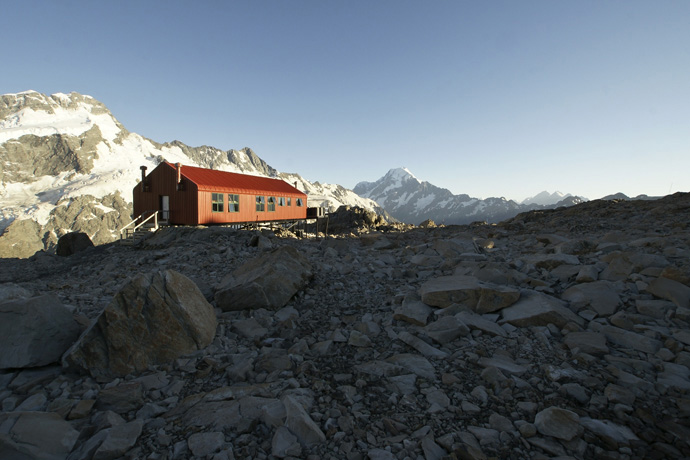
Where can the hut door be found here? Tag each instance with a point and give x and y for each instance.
(164, 208)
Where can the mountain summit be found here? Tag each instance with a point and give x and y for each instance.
(545, 198)
(412, 201)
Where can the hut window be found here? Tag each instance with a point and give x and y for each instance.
(271, 203)
(289, 201)
(217, 202)
(233, 203)
(298, 201)
(281, 201)
(260, 203)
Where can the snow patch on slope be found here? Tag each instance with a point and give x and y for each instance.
(72, 122)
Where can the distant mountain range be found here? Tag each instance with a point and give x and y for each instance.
(410, 200)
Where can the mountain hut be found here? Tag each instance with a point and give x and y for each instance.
(187, 195)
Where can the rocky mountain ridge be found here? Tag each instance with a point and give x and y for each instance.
(412, 201)
(66, 149)
(556, 333)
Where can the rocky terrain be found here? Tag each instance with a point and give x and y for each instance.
(558, 333)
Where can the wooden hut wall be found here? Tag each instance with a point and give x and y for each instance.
(162, 181)
(247, 211)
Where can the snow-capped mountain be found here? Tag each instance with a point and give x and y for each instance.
(545, 198)
(67, 164)
(410, 200)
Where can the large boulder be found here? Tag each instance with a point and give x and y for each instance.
(35, 331)
(268, 281)
(73, 242)
(154, 318)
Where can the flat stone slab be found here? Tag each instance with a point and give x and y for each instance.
(631, 340)
(474, 321)
(503, 363)
(537, 309)
(40, 435)
(416, 364)
(593, 343)
(609, 431)
(672, 290)
(481, 297)
(601, 296)
(268, 281)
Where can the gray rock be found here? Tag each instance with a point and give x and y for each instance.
(481, 297)
(204, 444)
(36, 435)
(268, 281)
(35, 331)
(380, 454)
(421, 346)
(73, 242)
(414, 363)
(119, 439)
(601, 296)
(503, 363)
(412, 311)
(122, 398)
(154, 318)
(537, 309)
(432, 451)
(631, 340)
(474, 321)
(672, 290)
(611, 433)
(587, 342)
(301, 424)
(559, 423)
(446, 330)
(11, 291)
(285, 444)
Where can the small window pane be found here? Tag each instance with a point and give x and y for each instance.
(261, 203)
(217, 202)
(233, 203)
(271, 203)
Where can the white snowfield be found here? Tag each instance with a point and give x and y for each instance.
(119, 157)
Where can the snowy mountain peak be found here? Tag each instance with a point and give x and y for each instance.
(33, 113)
(545, 198)
(400, 174)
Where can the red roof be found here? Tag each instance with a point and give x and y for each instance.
(223, 181)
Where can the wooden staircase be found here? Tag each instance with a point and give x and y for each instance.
(134, 232)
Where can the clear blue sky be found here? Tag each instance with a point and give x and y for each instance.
(499, 98)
